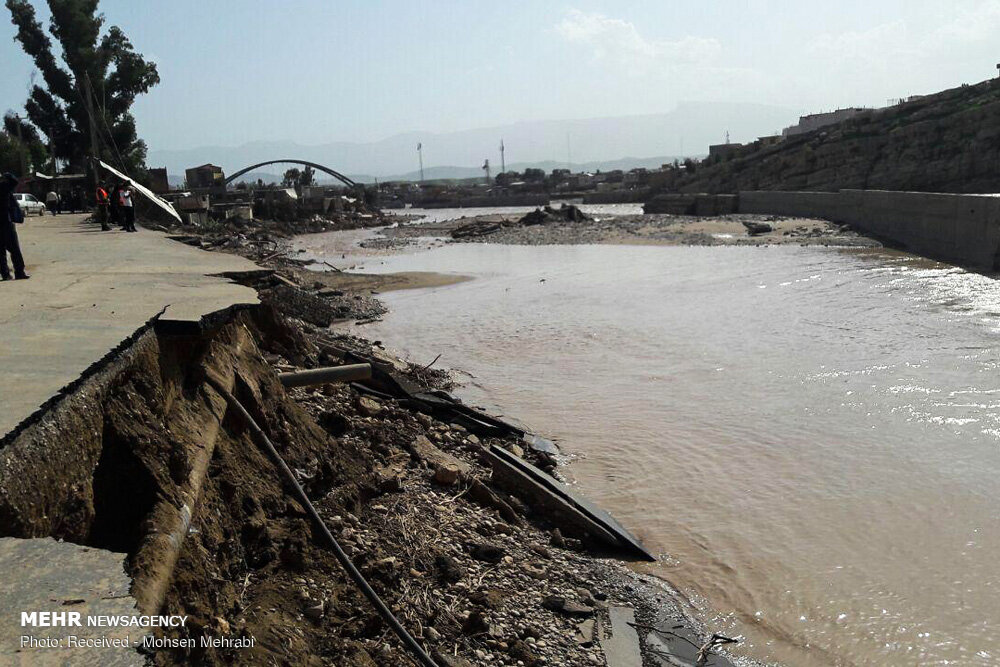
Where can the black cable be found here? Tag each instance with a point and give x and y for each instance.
(345, 561)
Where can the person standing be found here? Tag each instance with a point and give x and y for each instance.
(52, 202)
(116, 210)
(10, 214)
(128, 210)
(101, 198)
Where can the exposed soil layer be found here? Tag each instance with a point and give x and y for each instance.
(471, 571)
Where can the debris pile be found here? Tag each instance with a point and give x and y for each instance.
(547, 215)
(756, 228)
(540, 216)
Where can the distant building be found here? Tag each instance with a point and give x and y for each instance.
(158, 181)
(723, 150)
(769, 140)
(818, 120)
(205, 176)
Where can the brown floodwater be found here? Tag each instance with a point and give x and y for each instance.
(809, 437)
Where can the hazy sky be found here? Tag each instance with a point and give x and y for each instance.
(314, 71)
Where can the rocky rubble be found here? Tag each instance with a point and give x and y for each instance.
(664, 229)
(566, 213)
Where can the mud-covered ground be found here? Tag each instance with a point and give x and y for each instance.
(478, 577)
(652, 229)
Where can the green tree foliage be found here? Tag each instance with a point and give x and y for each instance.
(291, 177)
(36, 154)
(75, 52)
(10, 155)
(294, 178)
(307, 177)
(532, 174)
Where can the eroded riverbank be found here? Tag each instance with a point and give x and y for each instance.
(143, 458)
(781, 421)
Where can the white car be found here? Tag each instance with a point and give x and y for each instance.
(29, 204)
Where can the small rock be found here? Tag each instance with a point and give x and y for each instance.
(560, 604)
(315, 612)
(446, 474)
(520, 650)
(368, 406)
(489, 553)
(540, 550)
(448, 660)
(585, 632)
(475, 623)
(449, 569)
(492, 598)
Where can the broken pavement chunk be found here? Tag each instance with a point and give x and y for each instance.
(426, 451)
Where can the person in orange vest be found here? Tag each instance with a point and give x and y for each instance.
(102, 208)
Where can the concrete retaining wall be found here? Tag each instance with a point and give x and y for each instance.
(692, 204)
(956, 228)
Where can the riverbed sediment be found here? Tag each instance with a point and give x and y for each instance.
(644, 229)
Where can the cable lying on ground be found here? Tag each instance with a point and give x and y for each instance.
(265, 443)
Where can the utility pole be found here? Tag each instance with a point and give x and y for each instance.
(420, 154)
(503, 164)
(88, 98)
(21, 148)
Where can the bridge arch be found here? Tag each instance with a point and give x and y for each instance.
(318, 167)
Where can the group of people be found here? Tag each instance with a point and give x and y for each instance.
(65, 201)
(10, 214)
(115, 205)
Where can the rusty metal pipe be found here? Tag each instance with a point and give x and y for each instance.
(330, 374)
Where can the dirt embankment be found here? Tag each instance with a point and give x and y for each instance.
(145, 458)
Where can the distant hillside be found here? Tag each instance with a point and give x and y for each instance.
(547, 166)
(945, 142)
(686, 130)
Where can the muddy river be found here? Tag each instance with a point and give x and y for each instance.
(810, 437)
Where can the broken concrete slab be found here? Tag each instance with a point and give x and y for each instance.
(89, 292)
(562, 505)
(46, 575)
(620, 641)
(426, 451)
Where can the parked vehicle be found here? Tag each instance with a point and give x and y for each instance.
(29, 204)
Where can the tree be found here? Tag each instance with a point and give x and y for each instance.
(98, 69)
(10, 155)
(22, 136)
(307, 177)
(291, 177)
(532, 174)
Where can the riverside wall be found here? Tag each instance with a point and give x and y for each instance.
(957, 228)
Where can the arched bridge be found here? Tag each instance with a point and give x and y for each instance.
(318, 167)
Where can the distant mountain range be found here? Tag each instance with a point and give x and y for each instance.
(588, 144)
